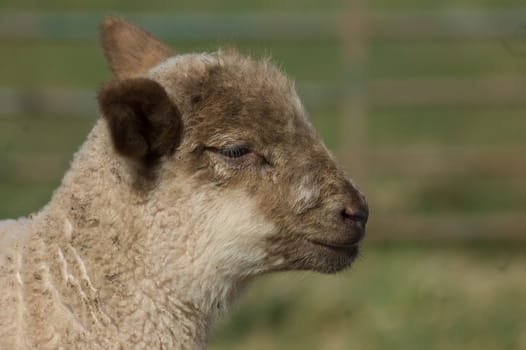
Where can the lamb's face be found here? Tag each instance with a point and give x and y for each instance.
(235, 134)
(245, 130)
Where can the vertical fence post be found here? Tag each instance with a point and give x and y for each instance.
(354, 126)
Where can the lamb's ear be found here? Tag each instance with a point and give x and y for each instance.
(129, 50)
(143, 122)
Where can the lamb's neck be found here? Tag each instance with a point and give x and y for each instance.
(118, 258)
(94, 211)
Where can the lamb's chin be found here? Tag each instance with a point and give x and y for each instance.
(328, 259)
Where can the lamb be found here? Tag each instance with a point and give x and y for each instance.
(202, 173)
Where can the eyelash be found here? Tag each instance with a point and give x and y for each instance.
(234, 152)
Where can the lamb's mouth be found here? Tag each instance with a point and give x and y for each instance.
(348, 249)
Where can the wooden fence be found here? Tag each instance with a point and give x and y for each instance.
(356, 27)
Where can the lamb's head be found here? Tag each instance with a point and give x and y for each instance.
(232, 156)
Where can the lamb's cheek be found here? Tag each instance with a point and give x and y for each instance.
(233, 230)
(221, 226)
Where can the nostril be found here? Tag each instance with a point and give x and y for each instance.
(357, 215)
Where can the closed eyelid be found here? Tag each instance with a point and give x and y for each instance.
(235, 152)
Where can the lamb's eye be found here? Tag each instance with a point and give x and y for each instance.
(234, 152)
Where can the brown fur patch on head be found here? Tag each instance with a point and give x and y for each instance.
(143, 122)
(230, 91)
(130, 50)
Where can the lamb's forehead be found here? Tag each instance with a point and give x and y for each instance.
(239, 72)
(232, 62)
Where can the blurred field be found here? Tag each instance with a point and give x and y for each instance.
(435, 152)
(455, 297)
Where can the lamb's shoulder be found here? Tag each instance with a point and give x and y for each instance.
(45, 300)
(13, 235)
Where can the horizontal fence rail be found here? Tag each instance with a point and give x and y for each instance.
(483, 91)
(59, 102)
(451, 161)
(47, 168)
(453, 227)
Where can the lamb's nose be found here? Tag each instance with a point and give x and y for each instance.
(356, 214)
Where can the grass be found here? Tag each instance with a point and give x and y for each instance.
(467, 296)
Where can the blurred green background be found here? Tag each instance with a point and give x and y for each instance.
(423, 101)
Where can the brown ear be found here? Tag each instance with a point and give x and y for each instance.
(143, 122)
(129, 50)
